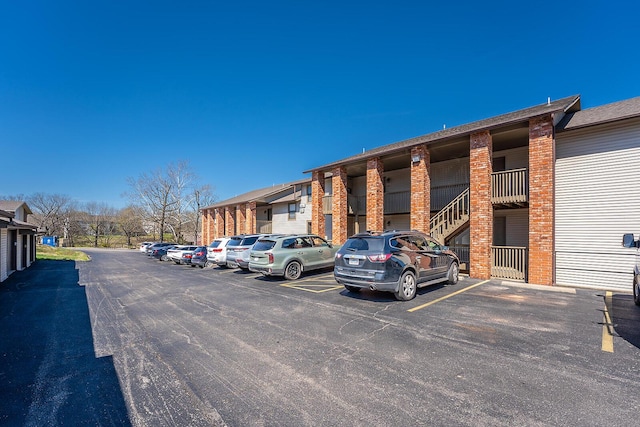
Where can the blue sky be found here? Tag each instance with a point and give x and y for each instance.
(253, 93)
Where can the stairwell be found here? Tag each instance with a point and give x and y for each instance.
(451, 218)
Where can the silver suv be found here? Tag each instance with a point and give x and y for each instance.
(394, 261)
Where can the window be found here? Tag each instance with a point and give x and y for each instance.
(308, 193)
(292, 211)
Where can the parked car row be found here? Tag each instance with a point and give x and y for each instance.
(180, 254)
(399, 262)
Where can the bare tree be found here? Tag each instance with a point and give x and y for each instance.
(99, 219)
(200, 197)
(51, 212)
(169, 198)
(130, 220)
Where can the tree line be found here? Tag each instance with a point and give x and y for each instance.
(163, 204)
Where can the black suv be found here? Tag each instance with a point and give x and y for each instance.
(394, 261)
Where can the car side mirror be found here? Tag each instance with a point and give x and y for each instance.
(628, 241)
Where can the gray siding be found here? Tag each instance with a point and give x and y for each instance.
(597, 192)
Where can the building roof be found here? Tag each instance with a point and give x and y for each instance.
(13, 205)
(629, 108)
(564, 105)
(258, 195)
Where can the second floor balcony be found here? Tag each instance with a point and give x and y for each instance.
(508, 189)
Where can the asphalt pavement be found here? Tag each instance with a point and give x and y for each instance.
(128, 340)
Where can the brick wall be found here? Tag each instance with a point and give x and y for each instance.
(541, 199)
(375, 194)
(317, 193)
(420, 189)
(229, 223)
(250, 218)
(241, 220)
(481, 221)
(339, 210)
(219, 226)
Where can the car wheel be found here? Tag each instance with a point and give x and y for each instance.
(452, 275)
(407, 287)
(352, 288)
(177, 262)
(636, 290)
(293, 270)
(164, 258)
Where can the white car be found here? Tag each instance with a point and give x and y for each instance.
(144, 245)
(217, 250)
(175, 254)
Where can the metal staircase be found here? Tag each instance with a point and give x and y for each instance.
(450, 218)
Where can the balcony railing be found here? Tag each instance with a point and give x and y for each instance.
(510, 187)
(509, 262)
(264, 226)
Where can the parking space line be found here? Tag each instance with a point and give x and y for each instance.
(311, 287)
(607, 332)
(411, 310)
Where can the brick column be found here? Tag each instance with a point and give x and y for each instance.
(420, 189)
(241, 220)
(541, 200)
(250, 218)
(339, 209)
(208, 226)
(219, 226)
(317, 194)
(481, 222)
(229, 221)
(375, 194)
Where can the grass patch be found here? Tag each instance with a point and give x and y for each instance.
(65, 254)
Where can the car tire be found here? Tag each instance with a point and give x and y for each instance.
(452, 275)
(636, 290)
(352, 288)
(164, 258)
(177, 262)
(407, 287)
(293, 270)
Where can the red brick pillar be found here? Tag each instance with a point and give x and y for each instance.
(339, 209)
(541, 197)
(420, 188)
(229, 221)
(241, 220)
(481, 222)
(375, 194)
(317, 211)
(208, 226)
(220, 229)
(250, 218)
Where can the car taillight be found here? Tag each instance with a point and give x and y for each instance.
(199, 253)
(270, 258)
(188, 255)
(379, 257)
(217, 250)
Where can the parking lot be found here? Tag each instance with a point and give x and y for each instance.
(169, 344)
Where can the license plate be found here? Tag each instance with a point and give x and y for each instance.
(353, 261)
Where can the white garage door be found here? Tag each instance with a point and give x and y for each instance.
(597, 201)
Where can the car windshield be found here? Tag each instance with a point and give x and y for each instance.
(264, 245)
(355, 244)
(235, 241)
(248, 241)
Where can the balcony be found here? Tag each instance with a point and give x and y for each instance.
(264, 226)
(510, 188)
(509, 262)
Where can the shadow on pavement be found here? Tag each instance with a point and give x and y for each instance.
(625, 316)
(49, 374)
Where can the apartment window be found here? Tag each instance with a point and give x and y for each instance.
(308, 193)
(292, 211)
